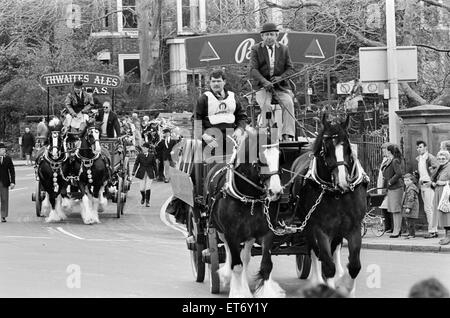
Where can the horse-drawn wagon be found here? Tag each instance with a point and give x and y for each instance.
(76, 164)
(191, 179)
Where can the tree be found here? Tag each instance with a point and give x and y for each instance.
(418, 22)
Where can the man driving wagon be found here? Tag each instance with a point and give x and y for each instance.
(270, 65)
(77, 104)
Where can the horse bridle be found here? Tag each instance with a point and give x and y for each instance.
(323, 152)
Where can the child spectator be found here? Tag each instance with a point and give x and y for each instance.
(410, 204)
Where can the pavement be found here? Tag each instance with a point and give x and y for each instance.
(417, 244)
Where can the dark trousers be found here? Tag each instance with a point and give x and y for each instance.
(411, 224)
(161, 170)
(387, 219)
(4, 200)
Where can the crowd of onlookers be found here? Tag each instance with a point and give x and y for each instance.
(429, 180)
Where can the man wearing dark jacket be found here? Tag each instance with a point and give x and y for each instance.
(270, 63)
(218, 113)
(7, 180)
(164, 148)
(109, 120)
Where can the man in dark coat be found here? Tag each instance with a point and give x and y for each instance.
(219, 114)
(77, 103)
(270, 63)
(109, 120)
(7, 180)
(164, 148)
(28, 144)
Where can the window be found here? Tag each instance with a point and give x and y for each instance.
(129, 67)
(127, 17)
(106, 19)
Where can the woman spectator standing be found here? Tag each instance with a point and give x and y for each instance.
(438, 181)
(144, 169)
(380, 184)
(393, 182)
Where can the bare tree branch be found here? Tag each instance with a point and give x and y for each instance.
(437, 4)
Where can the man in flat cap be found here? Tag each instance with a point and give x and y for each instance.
(7, 180)
(270, 65)
(77, 102)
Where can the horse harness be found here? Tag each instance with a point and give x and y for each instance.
(55, 165)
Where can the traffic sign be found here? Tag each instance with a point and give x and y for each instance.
(229, 49)
(373, 64)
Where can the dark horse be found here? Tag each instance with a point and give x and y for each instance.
(50, 163)
(239, 196)
(333, 195)
(91, 168)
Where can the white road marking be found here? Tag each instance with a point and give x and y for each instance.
(69, 234)
(166, 217)
(17, 189)
(27, 237)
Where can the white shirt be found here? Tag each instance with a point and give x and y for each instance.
(422, 167)
(271, 58)
(105, 123)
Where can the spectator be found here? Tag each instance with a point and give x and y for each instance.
(110, 122)
(138, 128)
(93, 96)
(410, 204)
(438, 181)
(42, 130)
(165, 147)
(426, 166)
(380, 184)
(7, 180)
(393, 181)
(28, 143)
(429, 288)
(144, 169)
(322, 291)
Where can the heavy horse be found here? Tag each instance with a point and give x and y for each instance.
(331, 196)
(50, 168)
(239, 198)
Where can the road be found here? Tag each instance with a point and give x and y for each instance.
(143, 255)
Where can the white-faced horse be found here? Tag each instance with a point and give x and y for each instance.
(239, 198)
(332, 198)
(49, 168)
(91, 168)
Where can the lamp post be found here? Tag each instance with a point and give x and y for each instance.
(394, 121)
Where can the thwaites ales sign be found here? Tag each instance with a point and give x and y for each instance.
(101, 81)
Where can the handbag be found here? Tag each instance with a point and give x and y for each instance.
(444, 203)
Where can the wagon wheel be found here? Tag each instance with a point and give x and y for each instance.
(126, 174)
(213, 266)
(198, 265)
(37, 198)
(119, 197)
(303, 265)
(363, 229)
(378, 227)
